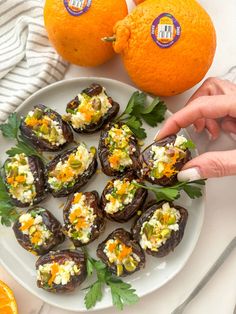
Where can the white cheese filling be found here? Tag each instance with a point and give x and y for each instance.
(157, 230)
(118, 144)
(22, 186)
(163, 156)
(120, 253)
(56, 138)
(87, 111)
(65, 173)
(63, 274)
(35, 228)
(121, 195)
(82, 219)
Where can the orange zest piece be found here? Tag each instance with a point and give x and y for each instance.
(45, 122)
(75, 214)
(125, 251)
(81, 223)
(112, 199)
(10, 180)
(36, 237)
(65, 175)
(113, 160)
(169, 168)
(77, 198)
(123, 188)
(88, 113)
(27, 224)
(118, 132)
(88, 116)
(20, 179)
(7, 301)
(31, 121)
(54, 271)
(112, 246)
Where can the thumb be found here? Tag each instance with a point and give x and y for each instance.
(209, 165)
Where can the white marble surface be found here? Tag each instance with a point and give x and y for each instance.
(219, 295)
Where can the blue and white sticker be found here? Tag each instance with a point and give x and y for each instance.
(77, 7)
(165, 30)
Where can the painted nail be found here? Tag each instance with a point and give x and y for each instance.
(233, 135)
(190, 174)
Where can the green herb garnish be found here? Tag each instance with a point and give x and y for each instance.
(173, 192)
(122, 293)
(189, 144)
(11, 130)
(8, 212)
(138, 110)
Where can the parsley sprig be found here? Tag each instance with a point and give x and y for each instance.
(8, 212)
(192, 189)
(138, 110)
(10, 130)
(122, 293)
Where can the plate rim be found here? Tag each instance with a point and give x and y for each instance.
(201, 217)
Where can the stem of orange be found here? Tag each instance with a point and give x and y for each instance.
(109, 39)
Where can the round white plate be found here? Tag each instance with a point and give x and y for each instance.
(157, 272)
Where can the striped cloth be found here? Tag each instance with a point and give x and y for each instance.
(27, 60)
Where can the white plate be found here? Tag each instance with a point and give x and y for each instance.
(157, 272)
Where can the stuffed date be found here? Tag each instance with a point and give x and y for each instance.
(72, 169)
(122, 255)
(160, 228)
(83, 218)
(91, 109)
(118, 149)
(45, 129)
(161, 161)
(61, 271)
(38, 231)
(24, 179)
(121, 198)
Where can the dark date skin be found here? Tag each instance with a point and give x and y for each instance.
(79, 182)
(61, 257)
(94, 90)
(126, 238)
(104, 153)
(92, 199)
(129, 210)
(52, 225)
(37, 168)
(42, 144)
(146, 164)
(175, 237)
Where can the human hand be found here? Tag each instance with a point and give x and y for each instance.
(212, 107)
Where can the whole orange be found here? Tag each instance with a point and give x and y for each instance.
(167, 46)
(75, 28)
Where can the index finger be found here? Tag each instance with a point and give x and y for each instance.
(211, 107)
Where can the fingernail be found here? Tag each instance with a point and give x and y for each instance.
(209, 135)
(233, 135)
(156, 136)
(190, 174)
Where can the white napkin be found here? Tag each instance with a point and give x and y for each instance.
(27, 60)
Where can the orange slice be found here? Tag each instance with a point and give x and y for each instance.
(7, 300)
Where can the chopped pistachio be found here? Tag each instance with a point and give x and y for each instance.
(119, 269)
